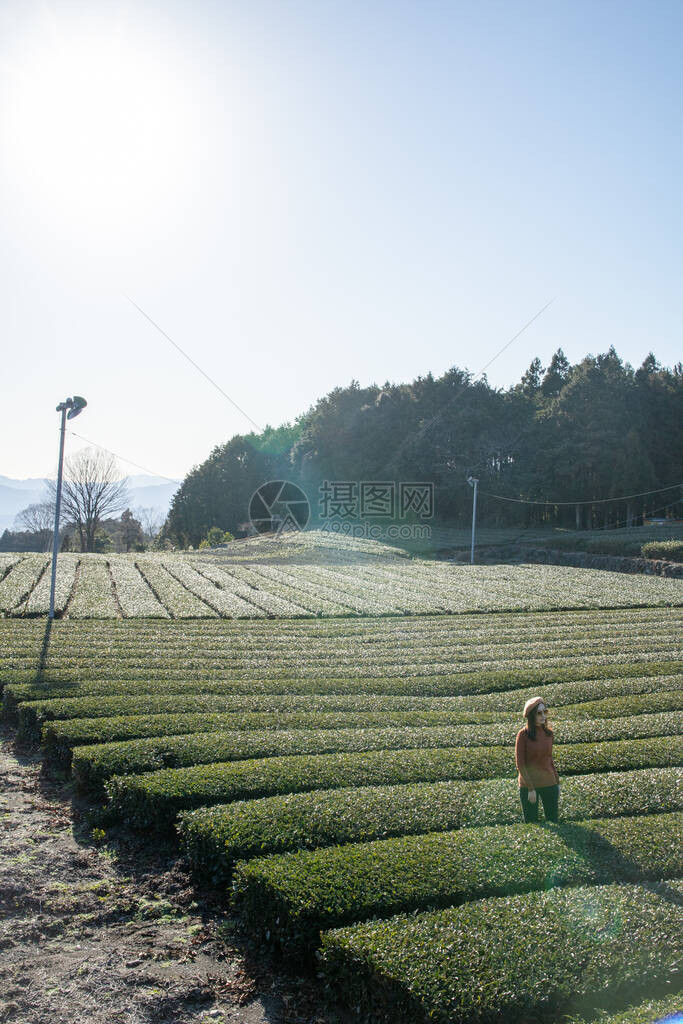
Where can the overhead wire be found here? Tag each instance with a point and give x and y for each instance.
(470, 380)
(193, 363)
(500, 497)
(121, 457)
(253, 422)
(619, 525)
(586, 501)
(507, 345)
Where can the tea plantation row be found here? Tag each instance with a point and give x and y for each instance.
(333, 770)
(186, 586)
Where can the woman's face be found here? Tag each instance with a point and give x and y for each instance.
(541, 714)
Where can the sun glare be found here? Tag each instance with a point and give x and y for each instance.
(97, 127)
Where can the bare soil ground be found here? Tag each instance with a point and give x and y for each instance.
(117, 934)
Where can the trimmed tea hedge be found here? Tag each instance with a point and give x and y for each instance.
(662, 1011)
(671, 550)
(420, 647)
(156, 797)
(508, 683)
(93, 765)
(431, 728)
(633, 704)
(59, 737)
(442, 671)
(288, 899)
(214, 838)
(17, 584)
(440, 645)
(511, 958)
(291, 695)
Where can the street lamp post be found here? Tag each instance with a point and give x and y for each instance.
(69, 409)
(472, 481)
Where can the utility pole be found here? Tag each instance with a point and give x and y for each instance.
(74, 406)
(473, 482)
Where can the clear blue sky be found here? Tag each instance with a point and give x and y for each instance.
(302, 193)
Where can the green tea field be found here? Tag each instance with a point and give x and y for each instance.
(306, 575)
(331, 742)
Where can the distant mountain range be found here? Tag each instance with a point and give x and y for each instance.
(145, 492)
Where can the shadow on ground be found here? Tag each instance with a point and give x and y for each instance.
(117, 933)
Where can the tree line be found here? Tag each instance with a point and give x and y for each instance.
(566, 436)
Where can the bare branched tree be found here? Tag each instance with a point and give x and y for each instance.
(38, 519)
(92, 490)
(151, 519)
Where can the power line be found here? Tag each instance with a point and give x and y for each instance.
(196, 365)
(442, 410)
(253, 422)
(590, 501)
(619, 525)
(507, 345)
(121, 457)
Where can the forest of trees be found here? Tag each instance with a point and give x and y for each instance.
(565, 434)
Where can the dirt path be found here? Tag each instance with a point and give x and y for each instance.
(103, 936)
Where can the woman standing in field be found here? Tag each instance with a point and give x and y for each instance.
(533, 756)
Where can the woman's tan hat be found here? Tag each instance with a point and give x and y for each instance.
(531, 704)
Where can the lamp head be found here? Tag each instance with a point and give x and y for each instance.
(75, 405)
(78, 404)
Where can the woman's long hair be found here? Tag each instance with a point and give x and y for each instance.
(531, 725)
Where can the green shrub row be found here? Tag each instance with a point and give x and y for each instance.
(632, 704)
(512, 959)
(670, 550)
(446, 658)
(288, 899)
(144, 629)
(396, 676)
(175, 649)
(59, 737)
(448, 633)
(71, 645)
(666, 1010)
(156, 797)
(495, 691)
(214, 838)
(408, 650)
(35, 718)
(222, 698)
(94, 764)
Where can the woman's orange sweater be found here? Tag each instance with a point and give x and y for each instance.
(534, 759)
